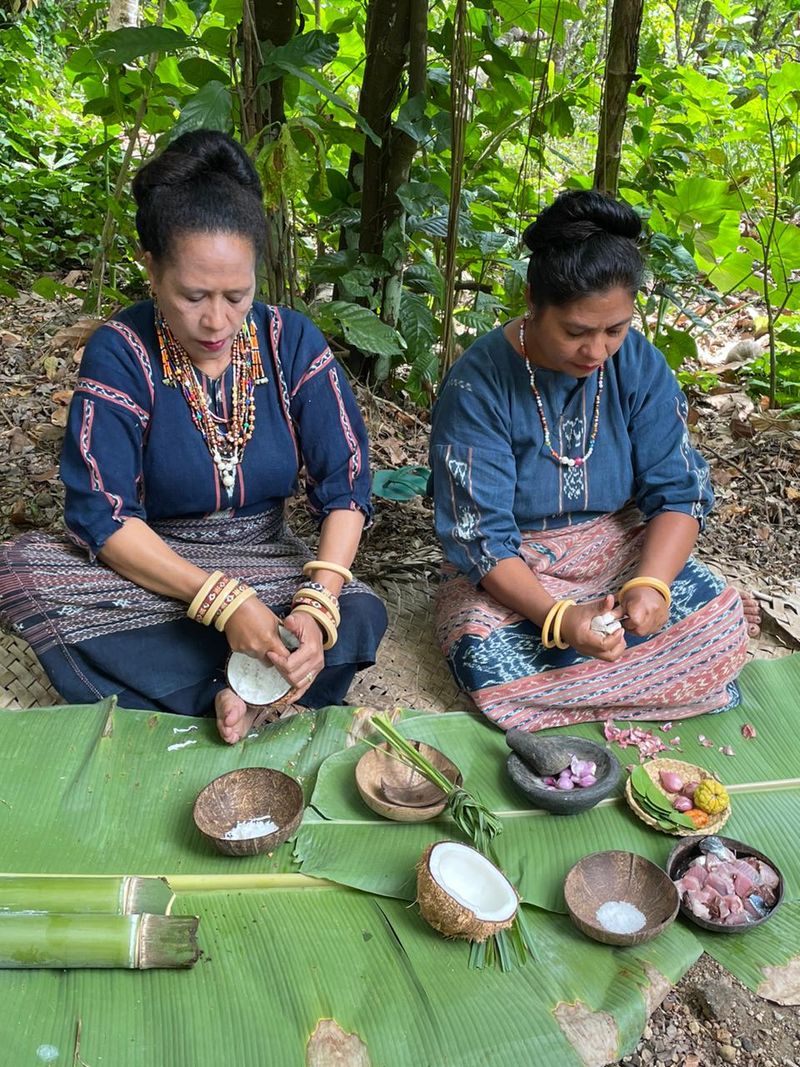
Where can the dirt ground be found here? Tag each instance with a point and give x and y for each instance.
(709, 1018)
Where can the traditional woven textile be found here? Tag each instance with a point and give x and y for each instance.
(687, 668)
(51, 593)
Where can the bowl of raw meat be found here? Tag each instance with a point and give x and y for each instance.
(724, 885)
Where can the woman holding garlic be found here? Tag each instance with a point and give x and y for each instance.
(568, 499)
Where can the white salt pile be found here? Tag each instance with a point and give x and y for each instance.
(620, 917)
(249, 828)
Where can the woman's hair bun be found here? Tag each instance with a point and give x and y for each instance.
(203, 182)
(579, 214)
(584, 242)
(194, 156)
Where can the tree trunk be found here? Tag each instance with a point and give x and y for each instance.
(701, 24)
(623, 51)
(122, 13)
(387, 39)
(268, 22)
(403, 148)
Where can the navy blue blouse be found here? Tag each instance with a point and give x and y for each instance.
(493, 477)
(131, 448)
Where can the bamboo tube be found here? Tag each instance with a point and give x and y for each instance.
(127, 941)
(122, 895)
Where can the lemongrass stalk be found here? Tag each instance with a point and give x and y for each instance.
(121, 895)
(509, 948)
(126, 941)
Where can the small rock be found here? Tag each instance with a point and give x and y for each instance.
(728, 1053)
(693, 1026)
(747, 1044)
(723, 1036)
(647, 1055)
(718, 1000)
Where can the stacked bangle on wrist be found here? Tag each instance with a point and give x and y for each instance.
(324, 565)
(318, 594)
(554, 619)
(648, 583)
(303, 605)
(217, 599)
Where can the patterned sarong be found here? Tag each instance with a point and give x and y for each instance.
(96, 633)
(687, 668)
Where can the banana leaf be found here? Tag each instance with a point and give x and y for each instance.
(287, 973)
(99, 790)
(343, 840)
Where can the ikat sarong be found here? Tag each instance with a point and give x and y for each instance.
(687, 668)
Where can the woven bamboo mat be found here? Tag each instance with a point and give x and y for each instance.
(411, 670)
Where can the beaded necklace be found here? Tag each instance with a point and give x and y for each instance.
(225, 446)
(565, 461)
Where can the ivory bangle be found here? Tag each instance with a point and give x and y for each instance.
(200, 595)
(244, 593)
(323, 565)
(548, 619)
(648, 583)
(214, 600)
(327, 602)
(331, 632)
(559, 617)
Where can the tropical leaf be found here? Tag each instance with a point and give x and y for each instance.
(119, 798)
(677, 345)
(197, 71)
(360, 327)
(209, 108)
(336, 968)
(345, 842)
(124, 45)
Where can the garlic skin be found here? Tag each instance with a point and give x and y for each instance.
(605, 624)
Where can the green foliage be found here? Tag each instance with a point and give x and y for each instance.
(711, 158)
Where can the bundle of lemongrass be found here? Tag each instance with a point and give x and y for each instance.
(56, 921)
(480, 826)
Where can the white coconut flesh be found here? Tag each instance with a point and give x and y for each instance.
(472, 881)
(255, 681)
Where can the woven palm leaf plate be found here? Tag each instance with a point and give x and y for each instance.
(689, 772)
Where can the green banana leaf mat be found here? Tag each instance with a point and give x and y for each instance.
(298, 971)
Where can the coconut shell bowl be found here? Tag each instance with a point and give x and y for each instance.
(396, 791)
(536, 759)
(765, 881)
(248, 811)
(620, 898)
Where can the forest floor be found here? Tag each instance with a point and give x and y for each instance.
(752, 537)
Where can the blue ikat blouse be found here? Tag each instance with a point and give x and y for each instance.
(493, 477)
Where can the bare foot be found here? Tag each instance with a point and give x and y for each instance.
(234, 721)
(752, 613)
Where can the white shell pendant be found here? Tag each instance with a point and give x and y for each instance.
(227, 471)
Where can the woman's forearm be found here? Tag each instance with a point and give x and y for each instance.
(668, 543)
(139, 554)
(339, 538)
(513, 585)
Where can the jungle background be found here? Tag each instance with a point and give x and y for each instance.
(404, 145)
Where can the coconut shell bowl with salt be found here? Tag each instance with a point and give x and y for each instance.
(563, 775)
(393, 789)
(620, 898)
(251, 810)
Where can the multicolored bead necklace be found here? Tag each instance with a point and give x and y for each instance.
(226, 447)
(565, 461)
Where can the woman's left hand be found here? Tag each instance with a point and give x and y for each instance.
(646, 611)
(303, 665)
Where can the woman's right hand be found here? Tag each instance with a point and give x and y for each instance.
(577, 632)
(253, 629)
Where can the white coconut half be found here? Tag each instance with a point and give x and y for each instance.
(462, 894)
(256, 682)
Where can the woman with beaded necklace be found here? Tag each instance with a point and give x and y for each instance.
(568, 499)
(191, 420)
